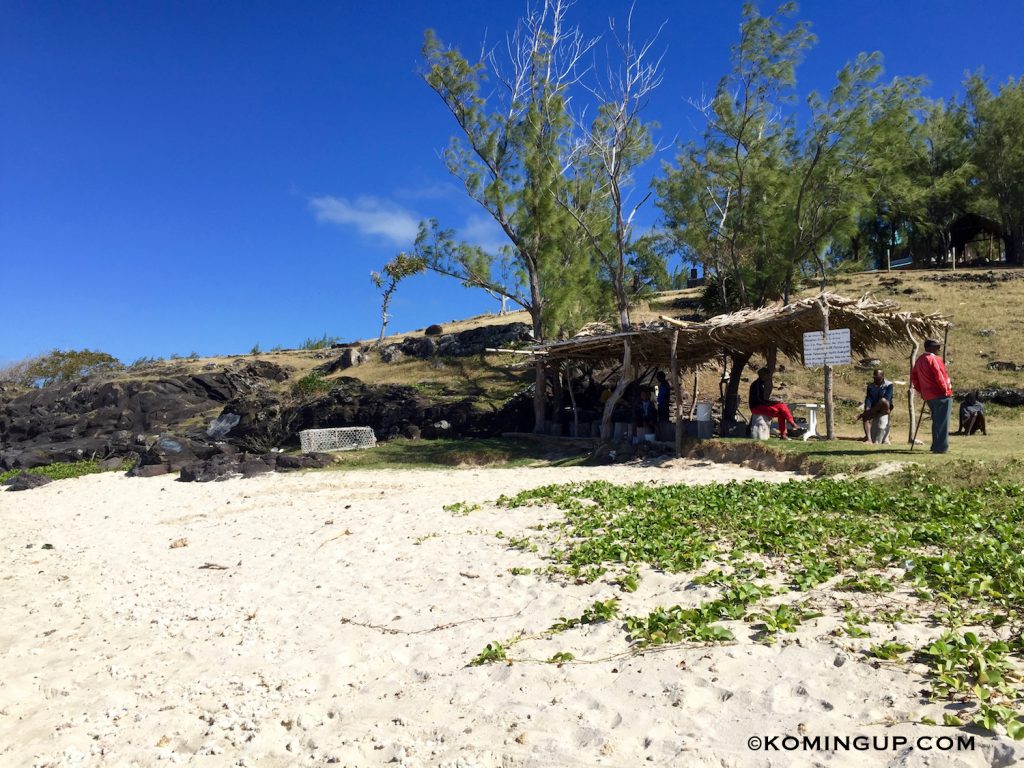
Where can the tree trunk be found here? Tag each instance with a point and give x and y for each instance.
(539, 379)
(677, 394)
(737, 363)
(625, 376)
(830, 415)
(1014, 249)
(540, 385)
(557, 396)
(572, 400)
(910, 389)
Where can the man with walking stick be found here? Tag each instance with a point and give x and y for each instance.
(930, 379)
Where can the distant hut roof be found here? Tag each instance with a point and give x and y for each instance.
(970, 227)
(872, 324)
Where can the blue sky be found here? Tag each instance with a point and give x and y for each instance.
(195, 176)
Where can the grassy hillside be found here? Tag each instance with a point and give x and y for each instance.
(987, 310)
(987, 316)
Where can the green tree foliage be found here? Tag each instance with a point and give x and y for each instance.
(59, 366)
(768, 192)
(511, 156)
(387, 280)
(928, 184)
(996, 125)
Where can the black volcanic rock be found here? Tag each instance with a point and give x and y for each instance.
(25, 481)
(93, 418)
(462, 344)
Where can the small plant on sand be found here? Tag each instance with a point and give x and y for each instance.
(599, 612)
(785, 618)
(461, 508)
(491, 653)
(889, 650)
(972, 671)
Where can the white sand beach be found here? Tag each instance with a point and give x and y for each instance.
(329, 618)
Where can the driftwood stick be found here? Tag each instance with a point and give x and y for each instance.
(911, 432)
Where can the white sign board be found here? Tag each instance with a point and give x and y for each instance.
(834, 351)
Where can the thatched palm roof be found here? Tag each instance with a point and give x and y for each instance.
(872, 324)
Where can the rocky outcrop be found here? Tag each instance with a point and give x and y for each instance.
(221, 421)
(25, 481)
(265, 421)
(224, 467)
(350, 357)
(1013, 398)
(462, 344)
(88, 419)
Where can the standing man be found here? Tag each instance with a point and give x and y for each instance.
(762, 404)
(664, 392)
(930, 379)
(877, 407)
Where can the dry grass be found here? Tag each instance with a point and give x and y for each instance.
(973, 307)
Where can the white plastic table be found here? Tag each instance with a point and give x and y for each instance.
(812, 417)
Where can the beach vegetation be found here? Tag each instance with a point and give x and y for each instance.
(66, 470)
(958, 550)
(310, 385)
(492, 652)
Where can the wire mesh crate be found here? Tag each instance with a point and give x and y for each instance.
(337, 439)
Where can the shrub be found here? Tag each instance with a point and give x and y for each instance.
(311, 384)
(59, 366)
(324, 342)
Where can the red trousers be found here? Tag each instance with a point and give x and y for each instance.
(778, 411)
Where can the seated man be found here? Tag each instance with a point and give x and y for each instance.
(645, 417)
(972, 415)
(877, 407)
(761, 404)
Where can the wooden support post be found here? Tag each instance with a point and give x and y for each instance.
(888, 261)
(693, 400)
(677, 393)
(572, 399)
(625, 376)
(910, 388)
(830, 417)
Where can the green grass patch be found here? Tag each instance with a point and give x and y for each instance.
(65, 470)
(461, 452)
(966, 454)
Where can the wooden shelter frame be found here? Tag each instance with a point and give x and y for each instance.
(681, 345)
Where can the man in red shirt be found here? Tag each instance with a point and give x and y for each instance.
(930, 379)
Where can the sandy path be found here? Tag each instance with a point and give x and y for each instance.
(249, 646)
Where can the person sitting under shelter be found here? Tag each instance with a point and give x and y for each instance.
(972, 416)
(877, 407)
(762, 404)
(646, 414)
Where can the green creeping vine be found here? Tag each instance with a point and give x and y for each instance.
(959, 549)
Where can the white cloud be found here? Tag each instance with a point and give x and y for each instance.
(369, 215)
(484, 232)
(437, 191)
